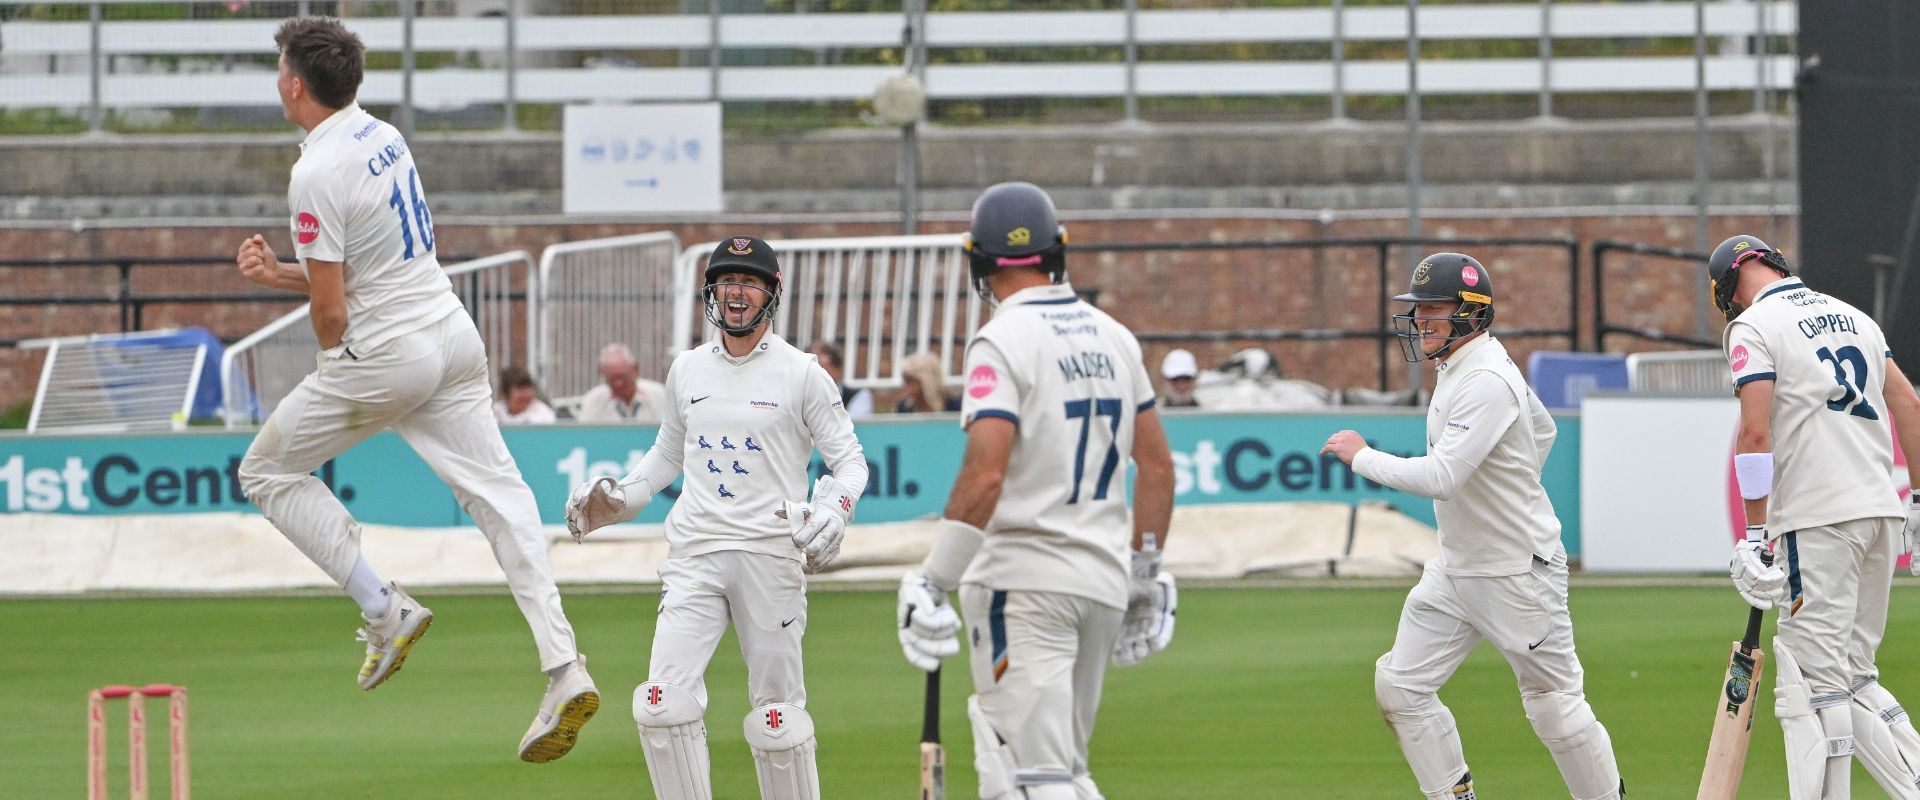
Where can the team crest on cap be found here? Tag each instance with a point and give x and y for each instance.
(1420, 273)
(1019, 237)
(741, 247)
(1739, 246)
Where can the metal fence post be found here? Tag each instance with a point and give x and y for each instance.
(1760, 49)
(1546, 59)
(713, 50)
(407, 11)
(1339, 61)
(913, 43)
(1703, 321)
(1413, 118)
(1132, 50)
(96, 116)
(513, 75)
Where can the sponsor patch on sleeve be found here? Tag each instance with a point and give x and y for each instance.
(982, 381)
(306, 227)
(1739, 357)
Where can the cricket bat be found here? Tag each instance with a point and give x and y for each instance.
(933, 757)
(1733, 716)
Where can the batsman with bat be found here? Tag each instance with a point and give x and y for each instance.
(1502, 572)
(1814, 463)
(1057, 401)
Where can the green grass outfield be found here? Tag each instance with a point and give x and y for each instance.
(1266, 693)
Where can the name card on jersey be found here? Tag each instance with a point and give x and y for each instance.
(650, 158)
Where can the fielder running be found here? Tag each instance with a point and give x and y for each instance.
(1057, 399)
(400, 353)
(742, 416)
(1502, 573)
(1814, 462)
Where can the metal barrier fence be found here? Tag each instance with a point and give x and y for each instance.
(481, 60)
(259, 371)
(1605, 322)
(883, 298)
(116, 383)
(878, 298)
(1690, 372)
(600, 291)
(130, 285)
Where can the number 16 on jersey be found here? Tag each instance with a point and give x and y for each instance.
(421, 216)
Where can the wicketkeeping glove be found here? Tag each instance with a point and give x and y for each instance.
(1759, 582)
(818, 525)
(928, 625)
(1910, 533)
(599, 503)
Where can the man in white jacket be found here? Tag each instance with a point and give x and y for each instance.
(742, 416)
(1502, 572)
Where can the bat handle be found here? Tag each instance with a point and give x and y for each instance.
(1754, 616)
(930, 717)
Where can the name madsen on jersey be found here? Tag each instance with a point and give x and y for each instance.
(1827, 323)
(1088, 365)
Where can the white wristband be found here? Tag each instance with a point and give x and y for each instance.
(1754, 473)
(953, 550)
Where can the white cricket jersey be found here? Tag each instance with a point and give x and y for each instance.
(1488, 437)
(357, 198)
(1832, 444)
(1071, 378)
(742, 430)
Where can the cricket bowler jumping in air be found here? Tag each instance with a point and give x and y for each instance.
(1502, 572)
(1055, 576)
(743, 414)
(401, 353)
(1814, 462)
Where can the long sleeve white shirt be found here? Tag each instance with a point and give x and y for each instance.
(1488, 437)
(742, 431)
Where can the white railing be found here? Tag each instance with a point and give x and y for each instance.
(1735, 25)
(259, 371)
(879, 298)
(605, 291)
(1701, 372)
(116, 383)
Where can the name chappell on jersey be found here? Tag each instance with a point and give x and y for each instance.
(1827, 323)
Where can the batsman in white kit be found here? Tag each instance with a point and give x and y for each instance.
(743, 414)
(1814, 463)
(1501, 575)
(401, 353)
(1055, 576)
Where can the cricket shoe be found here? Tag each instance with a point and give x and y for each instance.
(390, 637)
(570, 701)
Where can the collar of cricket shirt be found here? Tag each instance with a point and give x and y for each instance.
(1465, 353)
(1785, 284)
(767, 342)
(327, 125)
(1052, 294)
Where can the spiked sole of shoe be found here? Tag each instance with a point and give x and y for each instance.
(564, 735)
(401, 648)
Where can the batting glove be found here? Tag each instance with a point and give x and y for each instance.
(1910, 533)
(599, 503)
(1759, 582)
(928, 626)
(1148, 625)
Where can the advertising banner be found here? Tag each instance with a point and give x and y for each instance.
(1218, 458)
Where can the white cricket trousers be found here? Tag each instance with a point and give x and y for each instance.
(1038, 660)
(430, 386)
(763, 596)
(1838, 577)
(1525, 618)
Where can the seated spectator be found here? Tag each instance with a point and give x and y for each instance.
(859, 402)
(520, 402)
(925, 388)
(624, 397)
(1180, 369)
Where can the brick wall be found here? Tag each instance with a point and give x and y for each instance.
(1159, 292)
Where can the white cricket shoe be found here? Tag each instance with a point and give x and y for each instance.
(390, 637)
(570, 701)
